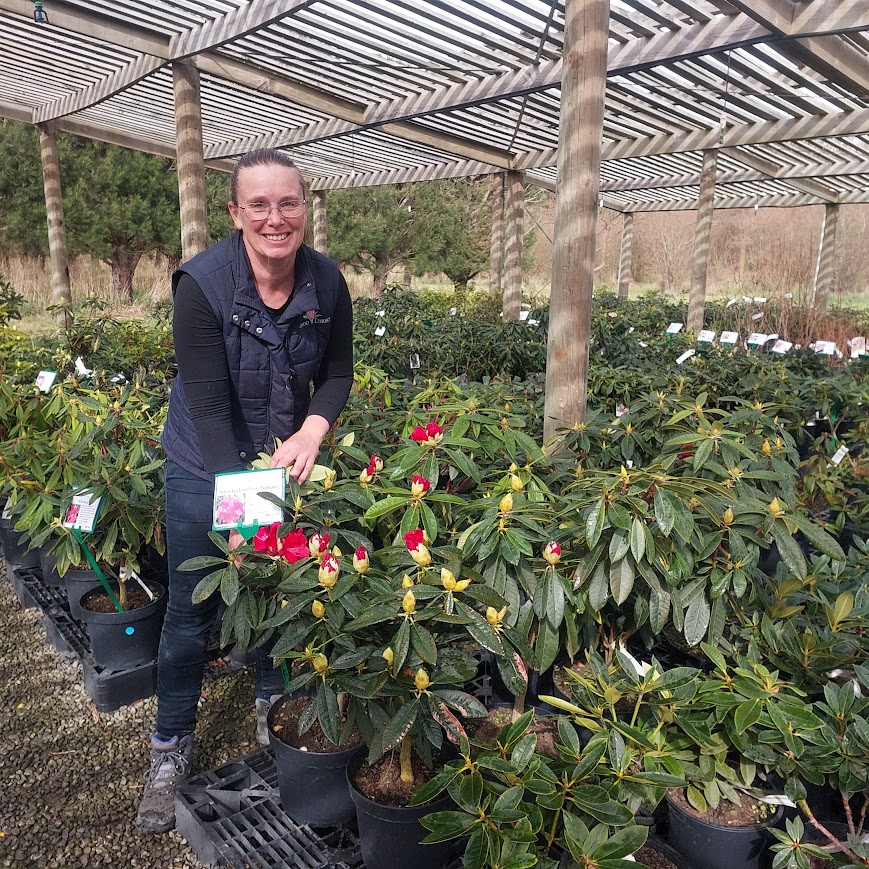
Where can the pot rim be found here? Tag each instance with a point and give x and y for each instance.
(338, 749)
(137, 614)
(763, 825)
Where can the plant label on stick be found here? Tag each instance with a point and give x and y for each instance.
(705, 336)
(757, 316)
(83, 512)
(755, 339)
(45, 380)
(81, 368)
(825, 348)
(380, 331)
(781, 346)
(728, 338)
(7, 511)
(238, 504)
(621, 410)
(414, 361)
(673, 328)
(686, 355)
(858, 346)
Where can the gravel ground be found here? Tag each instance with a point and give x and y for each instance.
(70, 777)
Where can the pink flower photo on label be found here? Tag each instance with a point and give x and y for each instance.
(230, 510)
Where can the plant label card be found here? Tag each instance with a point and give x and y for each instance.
(237, 501)
(674, 328)
(755, 339)
(45, 380)
(705, 336)
(380, 331)
(414, 361)
(7, 511)
(839, 455)
(686, 355)
(757, 316)
(81, 368)
(621, 410)
(858, 346)
(82, 512)
(781, 346)
(728, 338)
(826, 348)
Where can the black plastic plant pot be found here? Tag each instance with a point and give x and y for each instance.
(390, 836)
(78, 582)
(710, 846)
(313, 784)
(14, 551)
(48, 565)
(661, 848)
(121, 640)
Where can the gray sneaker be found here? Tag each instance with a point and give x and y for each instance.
(170, 765)
(262, 713)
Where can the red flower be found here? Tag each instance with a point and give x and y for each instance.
(266, 539)
(294, 546)
(431, 434)
(414, 539)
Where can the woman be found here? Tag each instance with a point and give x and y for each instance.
(259, 317)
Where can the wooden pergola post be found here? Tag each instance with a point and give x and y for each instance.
(626, 255)
(61, 293)
(496, 244)
(825, 274)
(190, 160)
(514, 218)
(576, 205)
(702, 236)
(319, 197)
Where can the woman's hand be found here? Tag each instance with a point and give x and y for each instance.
(299, 452)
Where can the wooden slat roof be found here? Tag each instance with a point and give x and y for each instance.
(364, 92)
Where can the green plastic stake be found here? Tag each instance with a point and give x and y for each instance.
(100, 575)
(286, 673)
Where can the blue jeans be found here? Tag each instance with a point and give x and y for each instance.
(188, 626)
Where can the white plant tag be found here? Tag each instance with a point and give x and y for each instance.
(673, 328)
(81, 368)
(523, 316)
(756, 339)
(777, 800)
(826, 348)
(82, 512)
(686, 355)
(119, 378)
(728, 338)
(757, 316)
(760, 299)
(621, 410)
(858, 346)
(45, 380)
(7, 511)
(705, 336)
(781, 346)
(237, 502)
(454, 311)
(730, 302)
(380, 331)
(414, 361)
(839, 455)
(380, 313)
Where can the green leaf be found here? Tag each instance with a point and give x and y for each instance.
(423, 643)
(665, 513)
(446, 825)
(328, 714)
(206, 587)
(696, 620)
(789, 550)
(747, 714)
(200, 562)
(622, 580)
(598, 589)
(229, 586)
(387, 505)
(399, 725)
(595, 523)
(638, 539)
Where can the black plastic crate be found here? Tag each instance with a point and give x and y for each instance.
(21, 580)
(232, 816)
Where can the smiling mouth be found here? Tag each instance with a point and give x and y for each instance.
(277, 236)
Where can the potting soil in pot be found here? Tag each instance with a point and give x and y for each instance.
(749, 813)
(382, 782)
(101, 603)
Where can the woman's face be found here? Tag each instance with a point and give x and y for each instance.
(275, 240)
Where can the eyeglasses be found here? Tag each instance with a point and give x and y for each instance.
(260, 211)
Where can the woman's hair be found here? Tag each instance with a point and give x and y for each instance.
(262, 157)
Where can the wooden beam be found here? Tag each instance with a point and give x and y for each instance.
(60, 288)
(235, 24)
(769, 200)
(806, 17)
(626, 256)
(191, 166)
(496, 240)
(702, 240)
(576, 208)
(514, 220)
(803, 186)
(825, 277)
(793, 129)
(320, 220)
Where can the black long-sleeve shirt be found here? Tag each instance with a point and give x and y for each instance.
(204, 371)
